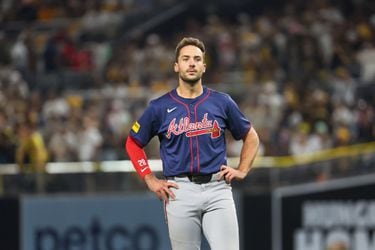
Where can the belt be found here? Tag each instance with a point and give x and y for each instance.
(195, 178)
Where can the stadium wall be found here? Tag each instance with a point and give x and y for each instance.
(337, 214)
(314, 216)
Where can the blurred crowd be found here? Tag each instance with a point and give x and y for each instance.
(304, 74)
(50, 10)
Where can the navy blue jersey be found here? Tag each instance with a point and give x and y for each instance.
(191, 131)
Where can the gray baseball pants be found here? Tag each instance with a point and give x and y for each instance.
(205, 207)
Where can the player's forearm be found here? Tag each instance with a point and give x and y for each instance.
(249, 151)
(138, 157)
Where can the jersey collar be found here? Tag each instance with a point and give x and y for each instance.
(206, 92)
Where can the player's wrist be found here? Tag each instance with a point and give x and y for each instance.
(148, 178)
(243, 172)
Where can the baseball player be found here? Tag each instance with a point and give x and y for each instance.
(190, 122)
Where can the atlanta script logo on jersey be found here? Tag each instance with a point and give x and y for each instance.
(194, 128)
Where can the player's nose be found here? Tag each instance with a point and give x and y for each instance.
(192, 64)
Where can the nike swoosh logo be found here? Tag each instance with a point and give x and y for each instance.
(171, 110)
(144, 169)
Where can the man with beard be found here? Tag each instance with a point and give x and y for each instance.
(190, 122)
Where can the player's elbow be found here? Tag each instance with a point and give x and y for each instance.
(131, 144)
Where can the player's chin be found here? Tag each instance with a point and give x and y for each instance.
(191, 79)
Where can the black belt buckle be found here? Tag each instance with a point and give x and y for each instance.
(200, 179)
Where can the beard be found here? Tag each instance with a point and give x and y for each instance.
(192, 81)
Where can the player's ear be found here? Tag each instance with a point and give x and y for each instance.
(176, 67)
(204, 68)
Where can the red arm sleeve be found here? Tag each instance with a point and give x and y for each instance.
(138, 157)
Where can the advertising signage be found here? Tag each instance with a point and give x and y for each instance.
(93, 223)
(334, 215)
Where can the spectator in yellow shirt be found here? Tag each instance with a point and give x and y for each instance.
(31, 153)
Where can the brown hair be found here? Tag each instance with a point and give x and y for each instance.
(186, 41)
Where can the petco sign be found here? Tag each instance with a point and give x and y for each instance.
(94, 236)
(97, 223)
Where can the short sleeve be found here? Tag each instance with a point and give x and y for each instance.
(237, 123)
(146, 126)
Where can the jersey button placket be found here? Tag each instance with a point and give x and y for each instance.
(192, 115)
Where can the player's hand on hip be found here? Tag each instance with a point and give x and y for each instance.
(161, 188)
(229, 174)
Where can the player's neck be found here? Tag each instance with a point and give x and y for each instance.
(186, 90)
